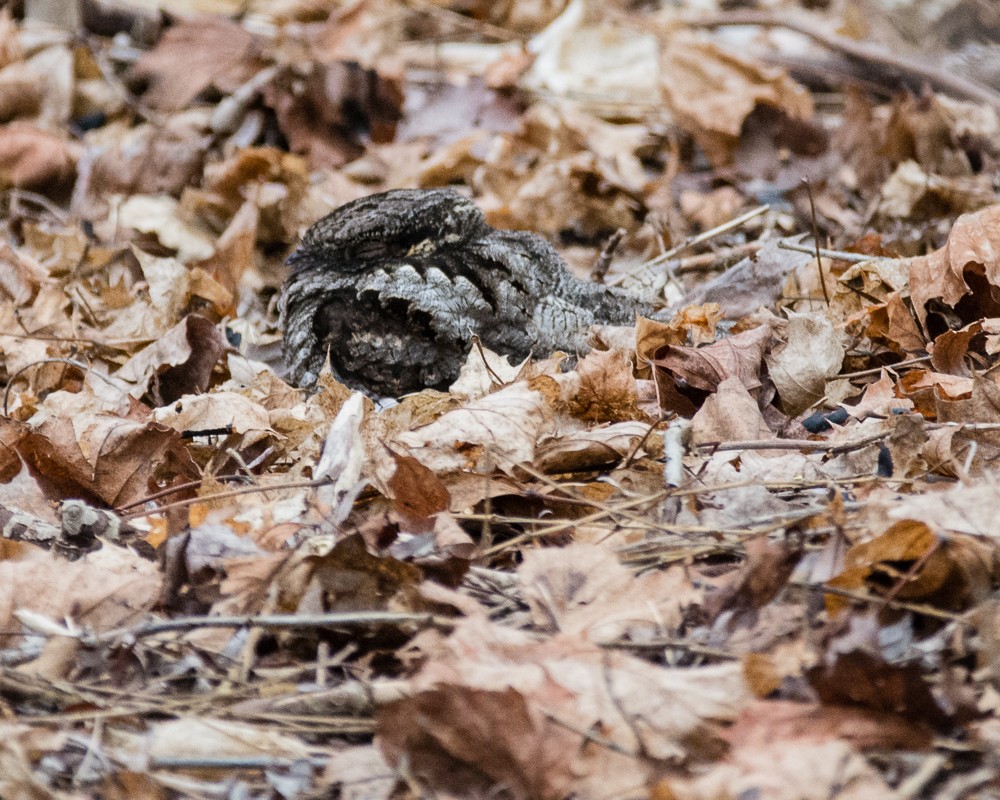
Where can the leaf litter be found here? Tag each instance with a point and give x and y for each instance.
(748, 551)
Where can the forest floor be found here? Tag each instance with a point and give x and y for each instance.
(751, 552)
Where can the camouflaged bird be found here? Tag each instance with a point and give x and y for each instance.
(393, 286)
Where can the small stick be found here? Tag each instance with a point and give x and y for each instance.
(865, 52)
(839, 255)
(793, 444)
(482, 354)
(276, 621)
(706, 262)
(691, 241)
(819, 263)
(225, 496)
(600, 268)
(876, 370)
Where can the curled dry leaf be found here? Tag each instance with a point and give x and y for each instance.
(163, 216)
(712, 92)
(215, 411)
(181, 361)
(169, 284)
(971, 255)
(499, 430)
(913, 562)
(104, 456)
(32, 158)
(705, 368)
(573, 58)
(594, 449)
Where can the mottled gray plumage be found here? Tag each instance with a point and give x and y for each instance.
(394, 285)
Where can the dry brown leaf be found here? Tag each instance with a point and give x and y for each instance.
(595, 449)
(145, 160)
(493, 706)
(751, 284)
(350, 578)
(169, 284)
(105, 456)
(234, 252)
(564, 170)
(811, 354)
(785, 770)
(705, 368)
(329, 113)
(180, 362)
(215, 411)
(730, 414)
(864, 729)
(194, 737)
(499, 430)
(712, 91)
(607, 391)
(194, 55)
(972, 253)
(583, 590)
(577, 59)
(106, 589)
(19, 746)
(418, 494)
(765, 572)
(359, 773)
(912, 561)
(164, 217)
(33, 158)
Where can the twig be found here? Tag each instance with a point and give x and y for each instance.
(834, 447)
(482, 354)
(669, 644)
(815, 227)
(705, 262)
(917, 71)
(559, 527)
(861, 373)
(462, 21)
(224, 495)
(231, 762)
(179, 488)
(866, 597)
(840, 255)
(281, 621)
(600, 268)
(793, 444)
(642, 441)
(690, 242)
(40, 200)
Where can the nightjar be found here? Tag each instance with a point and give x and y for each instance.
(392, 287)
